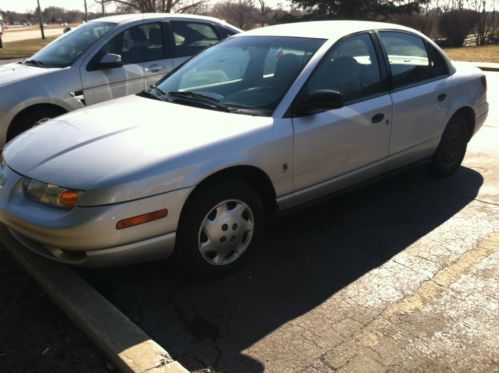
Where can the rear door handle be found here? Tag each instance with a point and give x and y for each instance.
(155, 68)
(377, 118)
(441, 97)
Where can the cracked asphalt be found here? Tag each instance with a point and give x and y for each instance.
(399, 276)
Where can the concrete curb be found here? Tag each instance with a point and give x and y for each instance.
(492, 69)
(127, 346)
(484, 66)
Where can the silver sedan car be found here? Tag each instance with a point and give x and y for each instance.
(265, 121)
(100, 60)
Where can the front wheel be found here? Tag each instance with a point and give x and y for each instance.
(450, 152)
(32, 118)
(219, 228)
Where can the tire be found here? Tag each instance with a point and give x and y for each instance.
(31, 118)
(449, 154)
(220, 226)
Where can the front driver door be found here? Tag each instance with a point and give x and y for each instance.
(339, 142)
(101, 84)
(158, 61)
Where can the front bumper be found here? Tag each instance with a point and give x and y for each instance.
(87, 236)
(155, 248)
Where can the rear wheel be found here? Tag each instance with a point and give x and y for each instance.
(31, 118)
(450, 152)
(219, 228)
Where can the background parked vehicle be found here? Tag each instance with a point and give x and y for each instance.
(103, 59)
(263, 122)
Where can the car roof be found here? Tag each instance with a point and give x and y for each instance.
(125, 18)
(323, 29)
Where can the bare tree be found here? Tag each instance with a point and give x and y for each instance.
(153, 6)
(241, 13)
(456, 25)
(486, 20)
(420, 22)
(102, 4)
(265, 12)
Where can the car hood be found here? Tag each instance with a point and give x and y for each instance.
(126, 141)
(14, 72)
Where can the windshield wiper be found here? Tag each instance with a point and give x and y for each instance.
(216, 104)
(253, 112)
(34, 62)
(207, 101)
(157, 89)
(193, 95)
(154, 93)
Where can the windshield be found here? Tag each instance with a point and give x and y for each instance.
(67, 48)
(248, 72)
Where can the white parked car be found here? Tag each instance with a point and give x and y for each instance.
(102, 59)
(265, 121)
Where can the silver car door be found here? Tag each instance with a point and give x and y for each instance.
(420, 95)
(190, 38)
(105, 83)
(157, 61)
(337, 142)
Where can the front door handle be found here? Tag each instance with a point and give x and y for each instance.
(78, 96)
(441, 97)
(378, 118)
(155, 68)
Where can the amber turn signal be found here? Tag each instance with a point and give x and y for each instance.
(68, 198)
(141, 219)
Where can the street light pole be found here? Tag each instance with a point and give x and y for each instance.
(40, 19)
(86, 12)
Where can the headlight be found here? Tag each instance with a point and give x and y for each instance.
(50, 194)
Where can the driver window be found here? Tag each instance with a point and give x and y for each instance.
(350, 68)
(137, 44)
(190, 38)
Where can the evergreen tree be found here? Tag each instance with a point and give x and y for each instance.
(358, 9)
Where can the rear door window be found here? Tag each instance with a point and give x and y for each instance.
(407, 56)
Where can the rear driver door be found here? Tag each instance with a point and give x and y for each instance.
(420, 93)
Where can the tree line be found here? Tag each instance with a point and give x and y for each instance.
(451, 22)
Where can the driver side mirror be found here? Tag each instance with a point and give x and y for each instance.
(110, 60)
(319, 101)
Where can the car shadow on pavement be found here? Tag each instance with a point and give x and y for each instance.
(305, 258)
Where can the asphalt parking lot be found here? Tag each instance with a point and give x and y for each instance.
(35, 335)
(401, 275)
